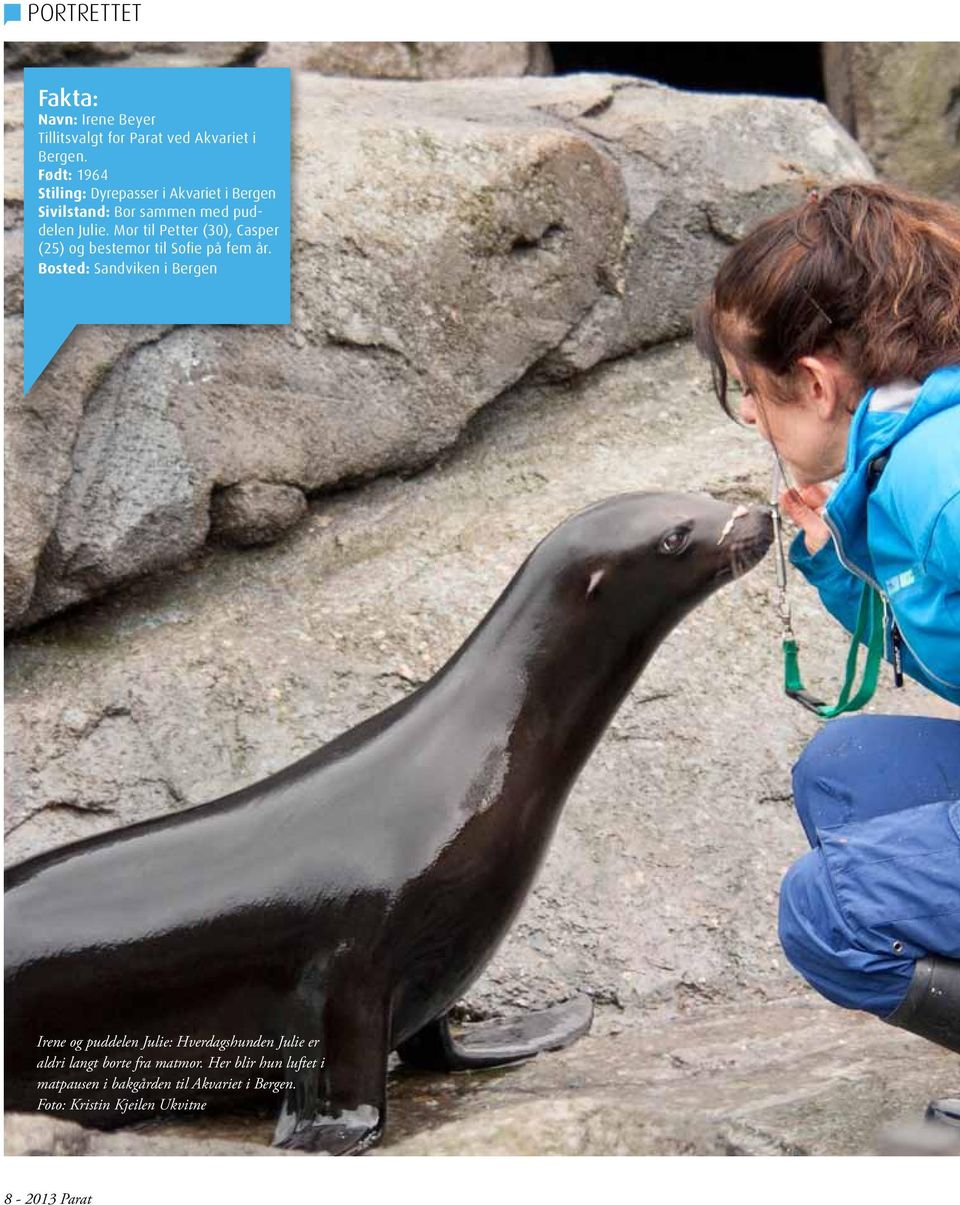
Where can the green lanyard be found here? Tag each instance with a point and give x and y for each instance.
(870, 619)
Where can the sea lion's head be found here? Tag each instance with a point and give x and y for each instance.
(639, 562)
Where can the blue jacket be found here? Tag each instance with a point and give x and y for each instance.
(903, 535)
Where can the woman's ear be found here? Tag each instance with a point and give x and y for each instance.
(826, 385)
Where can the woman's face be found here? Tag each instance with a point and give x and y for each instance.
(809, 427)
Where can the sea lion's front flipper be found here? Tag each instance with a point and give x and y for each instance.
(340, 1108)
(495, 1043)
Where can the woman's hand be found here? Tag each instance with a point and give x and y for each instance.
(803, 506)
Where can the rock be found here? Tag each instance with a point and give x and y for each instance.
(787, 1077)
(411, 60)
(452, 238)
(901, 101)
(13, 273)
(42, 435)
(255, 512)
(916, 1137)
(31, 1134)
(18, 55)
(700, 170)
(194, 54)
(575, 1125)
(13, 159)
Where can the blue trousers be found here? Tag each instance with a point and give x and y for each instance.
(879, 800)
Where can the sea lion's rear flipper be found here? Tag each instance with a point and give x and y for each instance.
(495, 1043)
(340, 1107)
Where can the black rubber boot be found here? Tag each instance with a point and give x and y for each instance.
(931, 1007)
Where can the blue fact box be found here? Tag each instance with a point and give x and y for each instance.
(153, 195)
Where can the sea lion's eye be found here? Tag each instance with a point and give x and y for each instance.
(674, 541)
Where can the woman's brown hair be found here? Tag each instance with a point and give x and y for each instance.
(865, 270)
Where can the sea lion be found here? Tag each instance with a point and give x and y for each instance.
(350, 899)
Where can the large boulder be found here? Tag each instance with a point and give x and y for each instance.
(901, 101)
(450, 239)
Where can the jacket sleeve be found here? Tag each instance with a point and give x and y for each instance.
(839, 589)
